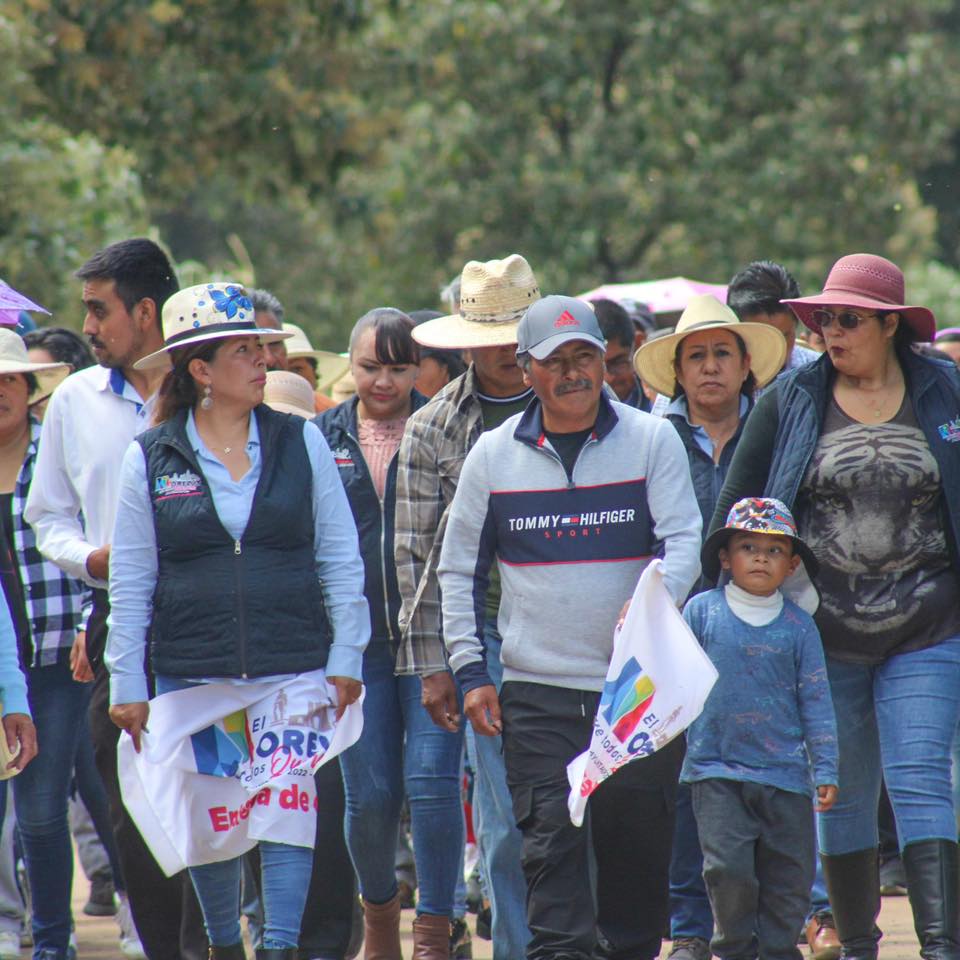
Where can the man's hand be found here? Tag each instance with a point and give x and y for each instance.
(19, 728)
(348, 691)
(98, 563)
(79, 663)
(826, 797)
(131, 717)
(482, 706)
(439, 696)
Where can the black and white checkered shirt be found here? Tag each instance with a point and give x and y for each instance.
(53, 601)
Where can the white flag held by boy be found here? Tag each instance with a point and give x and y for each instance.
(657, 683)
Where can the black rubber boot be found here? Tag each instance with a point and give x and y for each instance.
(853, 885)
(287, 953)
(234, 952)
(933, 886)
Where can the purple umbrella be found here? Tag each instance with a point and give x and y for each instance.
(11, 303)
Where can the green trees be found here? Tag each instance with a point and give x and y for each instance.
(362, 151)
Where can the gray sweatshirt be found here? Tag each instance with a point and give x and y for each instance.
(569, 549)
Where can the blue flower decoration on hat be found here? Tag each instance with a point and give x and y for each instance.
(232, 301)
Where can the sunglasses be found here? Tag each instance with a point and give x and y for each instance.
(847, 319)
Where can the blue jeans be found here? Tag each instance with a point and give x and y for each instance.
(498, 838)
(58, 704)
(400, 746)
(285, 876)
(690, 911)
(897, 721)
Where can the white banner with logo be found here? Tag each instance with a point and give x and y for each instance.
(657, 683)
(224, 765)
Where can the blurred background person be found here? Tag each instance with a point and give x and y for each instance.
(268, 314)
(437, 367)
(621, 335)
(755, 295)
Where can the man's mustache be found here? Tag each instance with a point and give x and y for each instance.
(571, 386)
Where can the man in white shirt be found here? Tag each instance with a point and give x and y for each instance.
(88, 425)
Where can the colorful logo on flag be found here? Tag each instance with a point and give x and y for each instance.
(220, 749)
(625, 700)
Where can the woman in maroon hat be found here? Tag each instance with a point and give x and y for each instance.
(864, 446)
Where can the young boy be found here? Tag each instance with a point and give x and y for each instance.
(749, 753)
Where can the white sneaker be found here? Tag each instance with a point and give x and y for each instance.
(130, 945)
(9, 945)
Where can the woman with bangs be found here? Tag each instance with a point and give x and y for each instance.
(401, 751)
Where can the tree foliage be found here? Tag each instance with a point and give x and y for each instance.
(362, 151)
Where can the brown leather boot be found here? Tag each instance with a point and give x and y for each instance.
(431, 937)
(381, 930)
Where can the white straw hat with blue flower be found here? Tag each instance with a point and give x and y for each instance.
(208, 311)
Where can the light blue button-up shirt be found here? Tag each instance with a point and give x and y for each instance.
(133, 557)
(700, 435)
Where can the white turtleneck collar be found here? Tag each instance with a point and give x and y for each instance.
(757, 611)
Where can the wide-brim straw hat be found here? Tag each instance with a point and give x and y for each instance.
(207, 311)
(330, 366)
(493, 297)
(654, 361)
(288, 392)
(870, 282)
(15, 359)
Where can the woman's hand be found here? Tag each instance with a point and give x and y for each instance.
(348, 691)
(19, 728)
(79, 663)
(131, 717)
(826, 797)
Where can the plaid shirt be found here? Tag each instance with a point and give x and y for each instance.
(52, 600)
(435, 443)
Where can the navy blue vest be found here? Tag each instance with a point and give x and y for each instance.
(225, 608)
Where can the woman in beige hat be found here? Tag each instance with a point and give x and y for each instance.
(46, 607)
(234, 544)
(710, 367)
(863, 445)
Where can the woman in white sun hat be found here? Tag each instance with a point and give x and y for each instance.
(249, 569)
(46, 610)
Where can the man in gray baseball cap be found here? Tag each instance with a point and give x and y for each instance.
(569, 500)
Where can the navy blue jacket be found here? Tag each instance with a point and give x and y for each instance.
(781, 434)
(246, 608)
(374, 519)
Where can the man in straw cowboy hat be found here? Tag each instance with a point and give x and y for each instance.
(493, 297)
(570, 500)
(89, 423)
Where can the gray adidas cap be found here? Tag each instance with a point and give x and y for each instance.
(555, 320)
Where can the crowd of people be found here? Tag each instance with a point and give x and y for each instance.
(439, 529)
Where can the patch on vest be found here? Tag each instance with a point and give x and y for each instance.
(342, 457)
(186, 484)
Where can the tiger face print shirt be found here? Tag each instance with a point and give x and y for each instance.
(869, 508)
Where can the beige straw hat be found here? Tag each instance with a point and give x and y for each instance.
(14, 359)
(330, 366)
(288, 392)
(493, 297)
(207, 311)
(765, 344)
